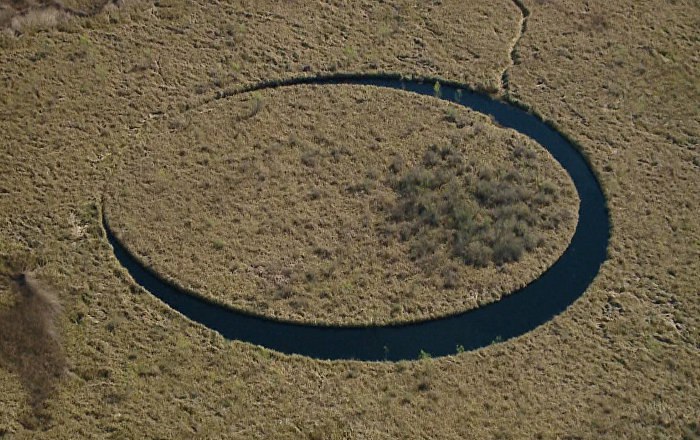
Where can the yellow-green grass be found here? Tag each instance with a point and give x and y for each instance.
(620, 363)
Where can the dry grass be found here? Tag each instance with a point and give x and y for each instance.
(30, 16)
(297, 220)
(621, 363)
(482, 216)
(37, 20)
(30, 345)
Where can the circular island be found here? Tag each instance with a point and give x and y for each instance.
(343, 205)
(351, 209)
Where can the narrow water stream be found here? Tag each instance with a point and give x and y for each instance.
(514, 315)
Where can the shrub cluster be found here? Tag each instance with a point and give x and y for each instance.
(483, 216)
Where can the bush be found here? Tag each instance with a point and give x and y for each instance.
(485, 217)
(508, 248)
(476, 253)
(397, 164)
(450, 277)
(494, 193)
(416, 180)
(422, 247)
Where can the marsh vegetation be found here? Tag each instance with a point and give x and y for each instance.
(621, 363)
(480, 215)
(429, 209)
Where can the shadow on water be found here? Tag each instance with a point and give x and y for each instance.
(514, 315)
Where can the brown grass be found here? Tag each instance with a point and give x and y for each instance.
(30, 345)
(296, 220)
(621, 363)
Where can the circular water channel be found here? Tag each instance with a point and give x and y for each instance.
(514, 315)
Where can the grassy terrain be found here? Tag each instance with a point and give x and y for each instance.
(342, 204)
(617, 77)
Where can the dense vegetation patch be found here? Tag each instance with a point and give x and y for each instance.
(482, 215)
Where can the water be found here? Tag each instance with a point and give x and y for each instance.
(514, 315)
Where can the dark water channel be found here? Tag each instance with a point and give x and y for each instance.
(514, 315)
